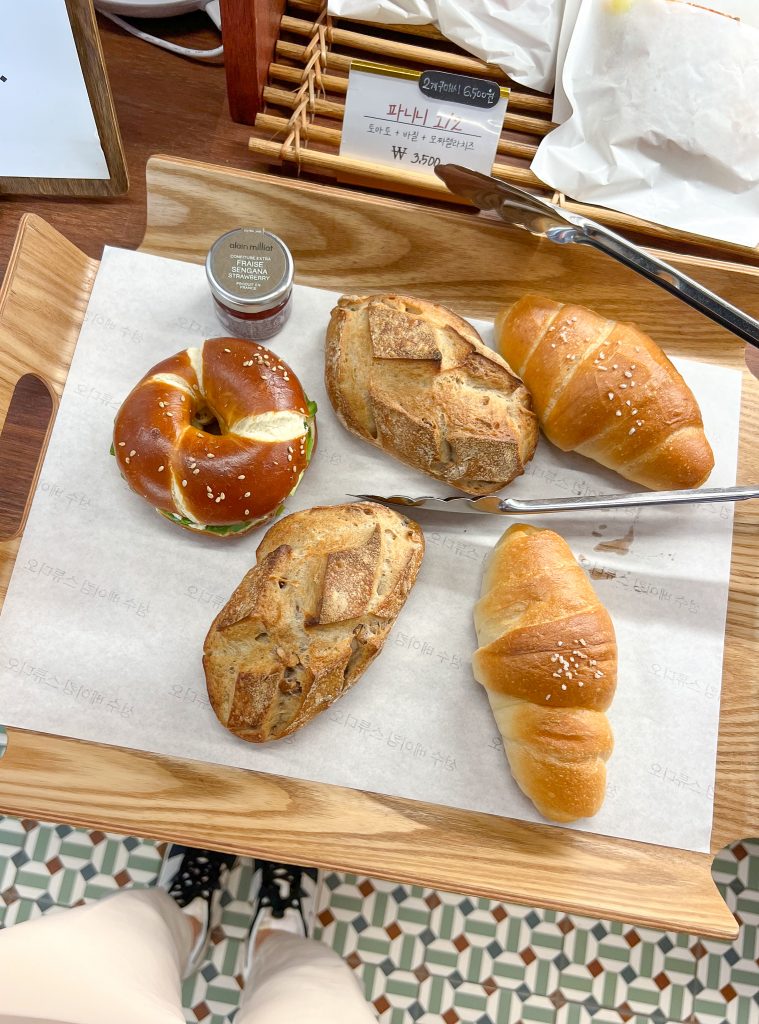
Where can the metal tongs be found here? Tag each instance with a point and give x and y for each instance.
(493, 505)
(524, 210)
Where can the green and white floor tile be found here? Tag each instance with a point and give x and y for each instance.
(430, 956)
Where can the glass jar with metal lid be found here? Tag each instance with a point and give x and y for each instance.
(250, 273)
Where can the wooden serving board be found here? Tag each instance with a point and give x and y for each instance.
(352, 242)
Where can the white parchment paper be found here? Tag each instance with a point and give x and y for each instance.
(102, 629)
(659, 111)
(520, 36)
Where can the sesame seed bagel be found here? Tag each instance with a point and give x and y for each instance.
(221, 483)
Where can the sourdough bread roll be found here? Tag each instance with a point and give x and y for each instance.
(548, 661)
(606, 390)
(417, 381)
(309, 617)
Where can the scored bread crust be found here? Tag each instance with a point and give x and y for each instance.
(309, 617)
(606, 390)
(416, 380)
(547, 658)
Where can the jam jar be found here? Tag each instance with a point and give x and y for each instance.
(250, 273)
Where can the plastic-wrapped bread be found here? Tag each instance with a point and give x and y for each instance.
(606, 390)
(547, 658)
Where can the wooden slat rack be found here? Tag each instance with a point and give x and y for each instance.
(302, 103)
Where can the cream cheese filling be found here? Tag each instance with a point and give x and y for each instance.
(195, 355)
(176, 494)
(284, 425)
(173, 380)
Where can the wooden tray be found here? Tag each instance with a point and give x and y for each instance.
(349, 241)
(305, 66)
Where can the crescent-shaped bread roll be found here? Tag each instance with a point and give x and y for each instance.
(606, 390)
(547, 658)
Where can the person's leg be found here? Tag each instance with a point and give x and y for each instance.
(120, 959)
(298, 979)
(290, 977)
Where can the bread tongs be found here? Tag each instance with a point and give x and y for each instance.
(494, 505)
(524, 210)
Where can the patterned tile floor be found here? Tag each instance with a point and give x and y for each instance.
(431, 956)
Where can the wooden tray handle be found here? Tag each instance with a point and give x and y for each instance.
(23, 441)
(48, 282)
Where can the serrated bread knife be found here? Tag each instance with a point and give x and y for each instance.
(492, 504)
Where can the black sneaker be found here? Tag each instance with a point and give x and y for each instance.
(283, 900)
(195, 880)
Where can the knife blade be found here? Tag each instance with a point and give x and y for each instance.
(492, 504)
(522, 209)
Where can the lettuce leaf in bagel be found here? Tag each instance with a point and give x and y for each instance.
(220, 531)
(310, 433)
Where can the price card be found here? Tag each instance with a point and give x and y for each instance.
(415, 120)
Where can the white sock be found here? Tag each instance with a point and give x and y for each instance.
(197, 908)
(290, 922)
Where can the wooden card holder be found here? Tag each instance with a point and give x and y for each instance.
(351, 242)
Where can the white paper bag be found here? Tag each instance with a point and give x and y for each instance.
(386, 12)
(562, 109)
(665, 118)
(520, 36)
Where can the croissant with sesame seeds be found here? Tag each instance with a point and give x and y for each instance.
(606, 390)
(547, 658)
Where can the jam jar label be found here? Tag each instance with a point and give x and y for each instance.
(250, 263)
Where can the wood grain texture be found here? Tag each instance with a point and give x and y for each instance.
(250, 29)
(42, 301)
(348, 241)
(347, 830)
(476, 263)
(90, 52)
